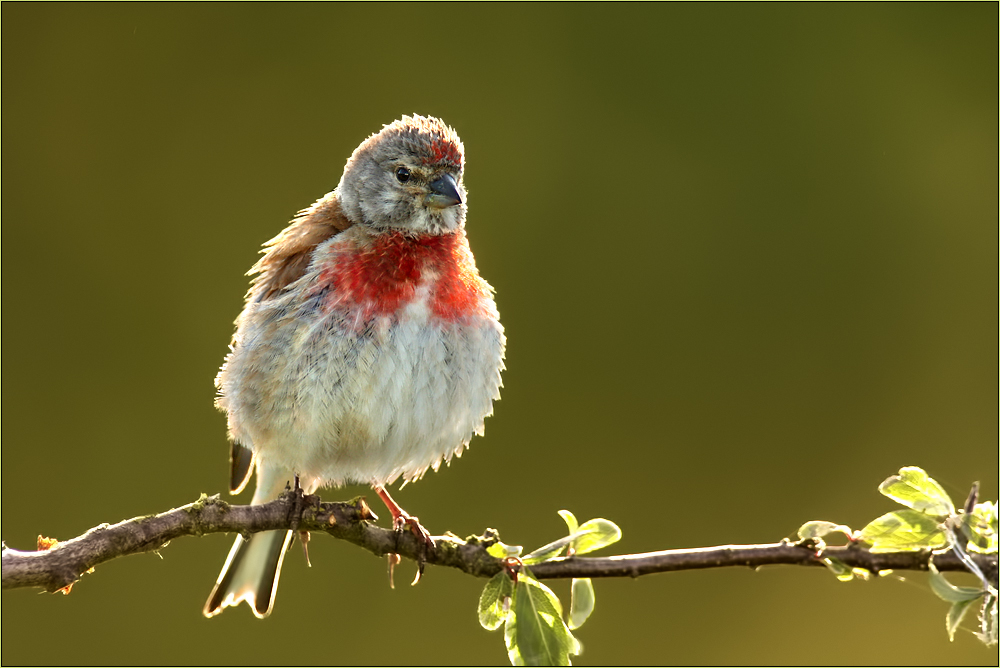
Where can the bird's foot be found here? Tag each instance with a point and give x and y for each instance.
(402, 519)
(405, 521)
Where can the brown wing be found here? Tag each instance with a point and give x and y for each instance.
(287, 256)
(286, 259)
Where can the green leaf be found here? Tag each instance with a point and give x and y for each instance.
(904, 531)
(980, 528)
(502, 551)
(595, 534)
(492, 611)
(550, 551)
(843, 572)
(535, 632)
(570, 520)
(955, 615)
(915, 489)
(946, 591)
(591, 535)
(581, 602)
(988, 621)
(819, 529)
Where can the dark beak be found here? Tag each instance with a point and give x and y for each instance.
(444, 193)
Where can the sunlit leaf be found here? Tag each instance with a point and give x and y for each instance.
(915, 489)
(819, 529)
(570, 520)
(582, 601)
(591, 535)
(904, 531)
(491, 603)
(948, 592)
(550, 551)
(955, 615)
(843, 572)
(980, 528)
(502, 551)
(595, 534)
(988, 621)
(535, 632)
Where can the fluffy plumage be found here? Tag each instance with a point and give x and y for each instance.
(369, 348)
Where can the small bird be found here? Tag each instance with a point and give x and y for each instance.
(369, 347)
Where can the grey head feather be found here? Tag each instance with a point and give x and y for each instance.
(389, 181)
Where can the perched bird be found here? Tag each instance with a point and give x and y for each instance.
(369, 347)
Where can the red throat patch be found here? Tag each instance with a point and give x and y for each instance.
(384, 277)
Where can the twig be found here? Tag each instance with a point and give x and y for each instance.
(63, 564)
(752, 556)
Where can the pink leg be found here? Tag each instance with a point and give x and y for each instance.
(400, 518)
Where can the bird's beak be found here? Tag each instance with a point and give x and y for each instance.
(444, 193)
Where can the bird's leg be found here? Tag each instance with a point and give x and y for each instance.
(297, 510)
(401, 519)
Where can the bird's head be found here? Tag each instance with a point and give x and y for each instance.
(407, 177)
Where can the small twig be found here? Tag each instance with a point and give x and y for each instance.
(752, 556)
(62, 565)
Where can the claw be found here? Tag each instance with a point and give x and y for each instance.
(400, 521)
(394, 560)
(304, 539)
(420, 571)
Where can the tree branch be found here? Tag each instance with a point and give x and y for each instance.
(62, 565)
(754, 556)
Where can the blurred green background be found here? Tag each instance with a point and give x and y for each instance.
(746, 256)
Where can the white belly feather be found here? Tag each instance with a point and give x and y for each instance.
(360, 402)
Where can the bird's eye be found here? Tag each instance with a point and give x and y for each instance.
(402, 174)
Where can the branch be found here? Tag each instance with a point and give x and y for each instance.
(754, 556)
(63, 564)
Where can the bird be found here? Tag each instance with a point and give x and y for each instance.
(368, 349)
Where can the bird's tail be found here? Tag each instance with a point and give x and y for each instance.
(252, 569)
(250, 574)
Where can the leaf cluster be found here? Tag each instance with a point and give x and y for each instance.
(930, 522)
(534, 629)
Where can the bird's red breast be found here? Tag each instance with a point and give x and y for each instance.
(383, 277)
